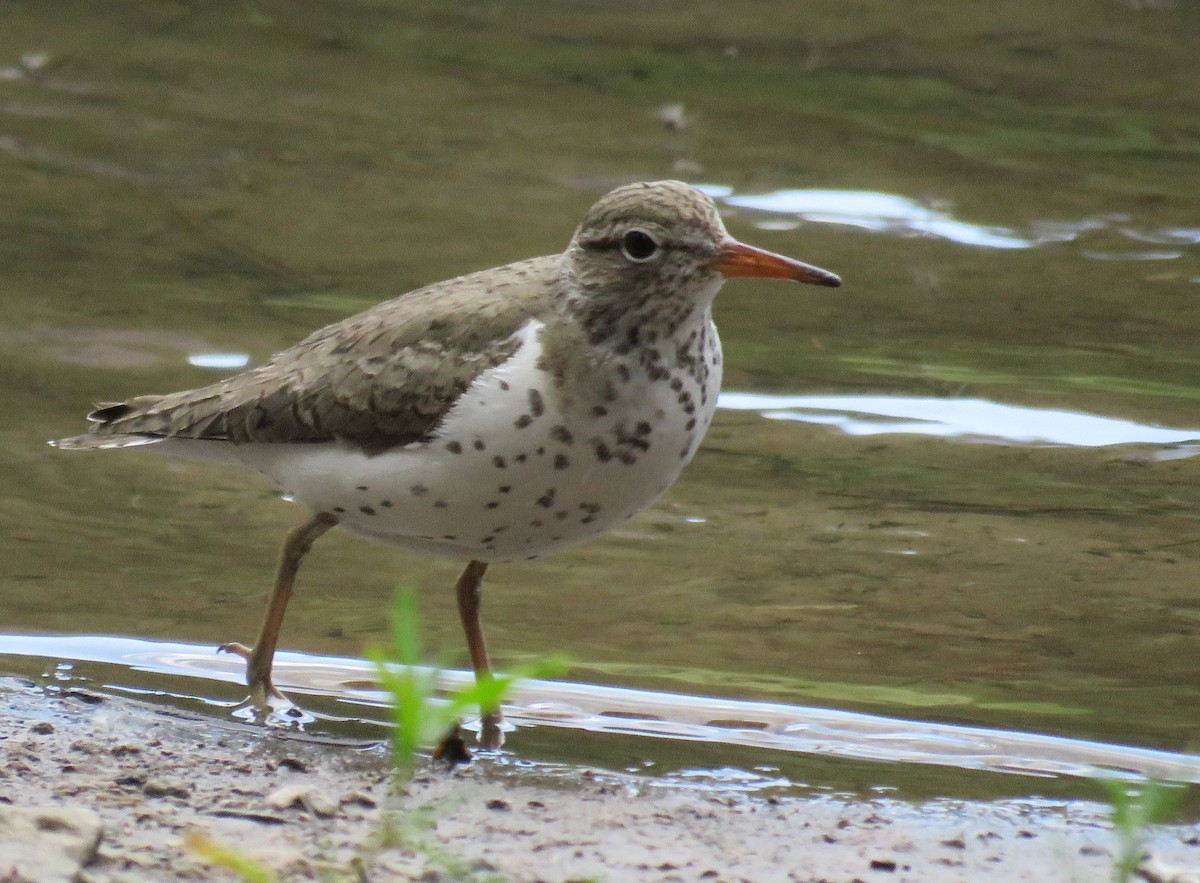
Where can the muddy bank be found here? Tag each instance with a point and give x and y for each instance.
(97, 788)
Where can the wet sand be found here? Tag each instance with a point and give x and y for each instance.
(98, 788)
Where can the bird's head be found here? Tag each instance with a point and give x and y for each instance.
(665, 239)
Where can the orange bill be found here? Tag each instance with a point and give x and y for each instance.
(745, 260)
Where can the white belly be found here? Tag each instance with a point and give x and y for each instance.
(512, 473)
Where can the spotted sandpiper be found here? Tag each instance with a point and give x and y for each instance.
(500, 415)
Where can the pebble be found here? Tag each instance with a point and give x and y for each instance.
(305, 797)
(166, 788)
(49, 844)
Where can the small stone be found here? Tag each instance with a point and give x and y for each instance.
(42, 728)
(49, 844)
(883, 864)
(497, 804)
(166, 788)
(304, 797)
(358, 798)
(1155, 870)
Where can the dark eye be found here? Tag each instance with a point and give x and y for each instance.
(638, 245)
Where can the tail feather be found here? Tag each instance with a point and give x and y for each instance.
(106, 412)
(95, 442)
(140, 426)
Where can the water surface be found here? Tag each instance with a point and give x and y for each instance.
(1010, 194)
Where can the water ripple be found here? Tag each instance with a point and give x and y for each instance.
(891, 213)
(788, 728)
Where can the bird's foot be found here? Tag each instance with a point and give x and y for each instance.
(265, 704)
(451, 749)
(491, 731)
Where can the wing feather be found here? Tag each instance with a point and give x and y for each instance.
(382, 378)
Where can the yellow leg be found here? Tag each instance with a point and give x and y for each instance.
(470, 590)
(260, 658)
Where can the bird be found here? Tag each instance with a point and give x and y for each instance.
(497, 416)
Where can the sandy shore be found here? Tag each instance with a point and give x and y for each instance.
(96, 788)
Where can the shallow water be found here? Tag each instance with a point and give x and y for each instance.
(962, 489)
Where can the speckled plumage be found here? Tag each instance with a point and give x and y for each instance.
(499, 415)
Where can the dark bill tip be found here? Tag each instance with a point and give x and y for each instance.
(738, 259)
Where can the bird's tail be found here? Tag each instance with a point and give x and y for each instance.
(95, 442)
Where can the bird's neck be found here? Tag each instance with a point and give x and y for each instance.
(624, 323)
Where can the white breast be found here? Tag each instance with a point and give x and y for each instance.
(512, 472)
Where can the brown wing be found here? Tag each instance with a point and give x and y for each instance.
(382, 378)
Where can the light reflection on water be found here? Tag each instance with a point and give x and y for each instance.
(219, 360)
(958, 418)
(900, 215)
(612, 710)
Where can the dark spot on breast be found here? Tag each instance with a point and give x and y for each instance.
(676, 384)
(562, 514)
(599, 411)
(642, 428)
(521, 458)
(603, 454)
(386, 504)
(479, 445)
(493, 504)
(504, 488)
(536, 406)
(546, 500)
(418, 490)
(522, 421)
(366, 510)
(499, 462)
(590, 508)
(440, 504)
(454, 447)
(363, 487)
(449, 536)
(540, 452)
(504, 385)
(537, 522)
(487, 539)
(627, 457)
(587, 519)
(339, 510)
(690, 425)
(562, 434)
(561, 461)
